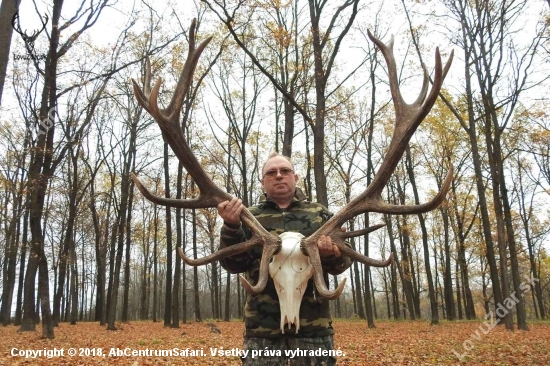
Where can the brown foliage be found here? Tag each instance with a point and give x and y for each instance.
(403, 343)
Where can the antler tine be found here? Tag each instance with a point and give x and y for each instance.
(312, 251)
(222, 253)
(142, 96)
(149, 98)
(424, 91)
(407, 117)
(44, 23)
(352, 234)
(168, 121)
(15, 24)
(263, 272)
(260, 236)
(382, 207)
(147, 79)
(387, 52)
(202, 201)
(186, 76)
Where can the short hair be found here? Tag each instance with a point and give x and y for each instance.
(274, 155)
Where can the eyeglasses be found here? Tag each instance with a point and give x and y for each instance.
(285, 172)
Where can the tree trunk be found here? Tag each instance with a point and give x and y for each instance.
(358, 297)
(493, 153)
(74, 285)
(447, 274)
(535, 274)
(40, 172)
(227, 315)
(406, 281)
(183, 272)
(179, 241)
(458, 291)
(399, 264)
(169, 249)
(115, 283)
(10, 260)
(196, 290)
(461, 260)
(101, 239)
(520, 303)
(128, 236)
(427, 266)
(19, 303)
(112, 255)
(288, 135)
(146, 269)
(366, 278)
(122, 229)
(155, 264)
(485, 219)
(338, 304)
(387, 291)
(7, 11)
(68, 242)
(322, 72)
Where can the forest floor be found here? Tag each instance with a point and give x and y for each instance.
(390, 343)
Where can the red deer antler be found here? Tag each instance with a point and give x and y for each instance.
(408, 118)
(210, 194)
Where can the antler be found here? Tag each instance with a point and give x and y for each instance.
(407, 119)
(15, 25)
(210, 194)
(28, 39)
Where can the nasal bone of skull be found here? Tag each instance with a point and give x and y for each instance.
(290, 270)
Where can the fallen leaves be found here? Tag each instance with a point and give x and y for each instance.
(390, 343)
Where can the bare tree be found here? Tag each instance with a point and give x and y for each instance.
(487, 31)
(325, 51)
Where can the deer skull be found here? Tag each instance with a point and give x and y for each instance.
(290, 270)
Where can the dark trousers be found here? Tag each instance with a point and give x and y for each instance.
(289, 351)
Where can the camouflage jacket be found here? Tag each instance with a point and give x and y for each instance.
(262, 312)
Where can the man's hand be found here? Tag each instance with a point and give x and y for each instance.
(230, 212)
(326, 247)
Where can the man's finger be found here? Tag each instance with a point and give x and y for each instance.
(222, 205)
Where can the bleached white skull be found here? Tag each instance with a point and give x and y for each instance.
(290, 270)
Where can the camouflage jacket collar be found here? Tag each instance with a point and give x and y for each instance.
(299, 196)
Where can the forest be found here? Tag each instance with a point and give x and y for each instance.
(80, 242)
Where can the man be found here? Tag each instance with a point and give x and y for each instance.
(283, 207)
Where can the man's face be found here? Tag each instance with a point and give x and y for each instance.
(279, 180)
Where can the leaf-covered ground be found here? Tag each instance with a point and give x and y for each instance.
(390, 343)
